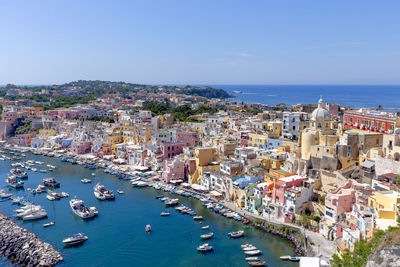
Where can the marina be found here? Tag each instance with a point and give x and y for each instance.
(123, 221)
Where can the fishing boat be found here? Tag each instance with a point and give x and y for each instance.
(249, 248)
(148, 228)
(120, 191)
(13, 182)
(75, 239)
(236, 234)
(19, 174)
(101, 193)
(48, 224)
(205, 227)
(198, 218)
(207, 236)
(86, 181)
(79, 208)
(285, 258)
(253, 252)
(246, 245)
(165, 213)
(205, 248)
(256, 263)
(295, 259)
(158, 197)
(51, 182)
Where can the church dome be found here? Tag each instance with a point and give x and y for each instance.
(320, 113)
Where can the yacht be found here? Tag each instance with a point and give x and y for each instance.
(75, 239)
(79, 208)
(101, 193)
(35, 215)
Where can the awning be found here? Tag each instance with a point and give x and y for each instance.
(216, 194)
(199, 187)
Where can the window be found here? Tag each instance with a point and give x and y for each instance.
(326, 125)
(294, 127)
(319, 126)
(345, 118)
(351, 120)
(358, 121)
(391, 126)
(294, 119)
(377, 125)
(383, 126)
(363, 121)
(368, 122)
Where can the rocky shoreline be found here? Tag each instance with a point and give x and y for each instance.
(24, 248)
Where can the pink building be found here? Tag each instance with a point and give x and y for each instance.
(170, 150)
(80, 147)
(190, 139)
(173, 170)
(339, 201)
(25, 139)
(278, 190)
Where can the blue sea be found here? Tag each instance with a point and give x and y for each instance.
(388, 96)
(117, 236)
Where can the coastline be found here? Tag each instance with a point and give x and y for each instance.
(24, 248)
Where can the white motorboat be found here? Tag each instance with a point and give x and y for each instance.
(148, 228)
(86, 181)
(205, 248)
(35, 215)
(75, 239)
(166, 213)
(198, 218)
(4, 194)
(249, 248)
(48, 224)
(236, 234)
(205, 227)
(101, 193)
(78, 207)
(253, 252)
(207, 236)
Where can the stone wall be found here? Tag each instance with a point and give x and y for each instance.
(24, 248)
(383, 166)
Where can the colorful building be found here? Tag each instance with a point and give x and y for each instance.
(374, 121)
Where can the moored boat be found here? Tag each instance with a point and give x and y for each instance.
(79, 208)
(165, 213)
(205, 248)
(285, 257)
(205, 227)
(253, 252)
(295, 259)
(120, 191)
(256, 263)
(86, 181)
(101, 193)
(236, 234)
(48, 224)
(207, 236)
(198, 218)
(148, 228)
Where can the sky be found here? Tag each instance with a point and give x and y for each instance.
(200, 41)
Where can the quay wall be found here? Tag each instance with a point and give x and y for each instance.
(24, 248)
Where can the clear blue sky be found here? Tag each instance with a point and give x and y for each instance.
(201, 41)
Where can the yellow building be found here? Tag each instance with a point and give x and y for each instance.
(257, 140)
(206, 160)
(274, 128)
(49, 132)
(114, 139)
(385, 204)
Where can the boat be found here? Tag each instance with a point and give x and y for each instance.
(207, 236)
(120, 191)
(166, 213)
(205, 227)
(198, 218)
(19, 174)
(13, 182)
(148, 228)
(51, 182)
(51, 197)
(75, 239)
(79, 208)
(205, 248)
(101, 193)
(86, 181)
(249, 248)
(246, 245)
(172, 202)
(237, 92)
(158, 197)
(35, 215)
(256, 263)
(252, 258)
(236, 234)
(295, 259)
(4, 195)
(253, 252)
(48, 224)
(285, 258)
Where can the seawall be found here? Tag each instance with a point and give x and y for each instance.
(24, 248)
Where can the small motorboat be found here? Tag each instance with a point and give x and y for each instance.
(249, 248)
(120, 191)
(246, 245)
(4, 195)
(198, 218)
(205, 227)
(48, 224)
(166, 213)
(75, 239)
(86, 181)
(285, 258)
(294, 259)
(205, 248)
(252, 258)
(256, 263)
(207, 236)
(253, 252)
(236, 234)
(158, 197)
(148, 228)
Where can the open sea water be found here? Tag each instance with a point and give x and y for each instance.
(117, 236)
(388, 96)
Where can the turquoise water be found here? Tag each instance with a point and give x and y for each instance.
(117, 236)
(353, 95)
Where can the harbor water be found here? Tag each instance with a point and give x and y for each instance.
(117, 236)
